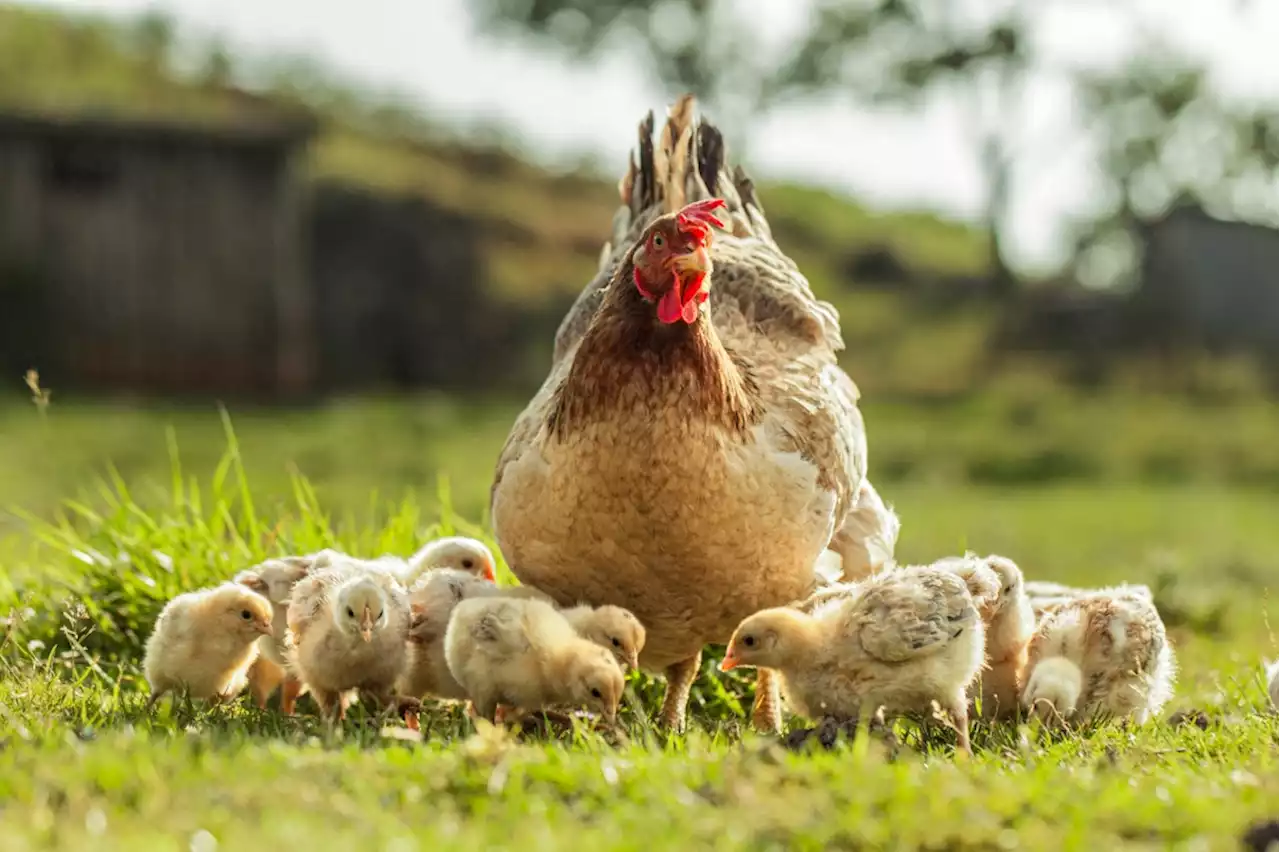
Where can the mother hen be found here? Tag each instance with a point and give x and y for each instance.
(695, 447)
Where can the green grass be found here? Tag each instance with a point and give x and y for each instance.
(84, 768)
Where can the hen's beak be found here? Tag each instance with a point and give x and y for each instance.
(698, 260)
(730, 661)
(366, 624)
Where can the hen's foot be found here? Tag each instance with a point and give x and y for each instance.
(680, 677)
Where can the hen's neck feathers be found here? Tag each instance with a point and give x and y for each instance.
(629, 359)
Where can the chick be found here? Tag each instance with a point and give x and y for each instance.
(612, 628)
(456, 552)
(350, 625)
(899, 641)
(524, 654)
(205, 641)
(997, 586)
(274, 580)
(1099, 655)
(432, 601)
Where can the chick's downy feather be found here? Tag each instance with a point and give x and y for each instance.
(350, 627)
(205, 641)
(900, 640)
(1099, 656)
(525, 654)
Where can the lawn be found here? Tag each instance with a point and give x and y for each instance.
(83, 768)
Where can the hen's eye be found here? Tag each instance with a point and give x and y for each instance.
(658, 241)
(617, 643)
(351, 613)
(245, 614)
(595, 693)
(750, 641)
(467, 563)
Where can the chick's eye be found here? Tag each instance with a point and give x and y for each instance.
(595, 693)
(467, 563)
(245, 614)
(750, 641)
(617, 643)
(351, 613)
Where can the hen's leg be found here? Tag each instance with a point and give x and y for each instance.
(680, 677)
(289, 692)
(766, 715)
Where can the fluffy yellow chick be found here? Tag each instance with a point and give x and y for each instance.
(350, 625)
(899, 641)
(205, 641)
(524, 654)
(274, 580)
(456, 552)
(612, 628)
(1100, 655)
(996, 584)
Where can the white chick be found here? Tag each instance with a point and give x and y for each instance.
(613, 628)
(524, 654)
(1008, 623)
(205, 642)
(456, 552)
(1099, 656)
(274, 580)
(899, 641)
(1273, 683)
(350, 625)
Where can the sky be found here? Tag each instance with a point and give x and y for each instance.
(431, 51)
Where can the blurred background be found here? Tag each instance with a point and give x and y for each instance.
(1049, 227)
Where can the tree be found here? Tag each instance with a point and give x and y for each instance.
(1165, 138)
(904, 51)
(698, 46)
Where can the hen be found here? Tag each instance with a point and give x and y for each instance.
(899, 641)
(695, 447)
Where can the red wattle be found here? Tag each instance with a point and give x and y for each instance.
(669, 307)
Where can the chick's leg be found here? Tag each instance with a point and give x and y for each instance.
(766, 715)
(959, 713)
(680, 677)
(330, 704)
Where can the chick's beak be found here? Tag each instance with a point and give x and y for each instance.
(264, 627)
(633, 661)
(366, 624)
(488, 573)
(730, 661)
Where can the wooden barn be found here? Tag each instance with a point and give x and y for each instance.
(155, 256)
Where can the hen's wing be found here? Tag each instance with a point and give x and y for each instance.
(911, 613)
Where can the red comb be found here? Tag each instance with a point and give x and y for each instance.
(696, 218)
